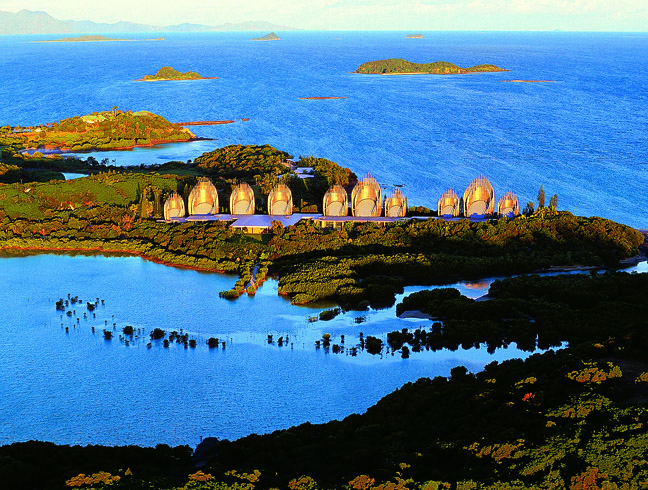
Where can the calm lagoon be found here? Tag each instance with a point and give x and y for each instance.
(77, 388)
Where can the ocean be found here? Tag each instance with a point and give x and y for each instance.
(583, 136)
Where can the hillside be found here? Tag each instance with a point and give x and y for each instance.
(100, 130)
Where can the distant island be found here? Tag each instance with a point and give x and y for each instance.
(114, 130)
(30, 22)
(92, 39)
(414, 36)
(399, 66)
(268, 37)
(167, 73)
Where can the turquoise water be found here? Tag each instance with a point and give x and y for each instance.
(583, 136)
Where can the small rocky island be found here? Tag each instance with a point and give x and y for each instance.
(93, 38)
(414, 36)
(268, 37)
(167, 73)
(399, 66)
(113, 130)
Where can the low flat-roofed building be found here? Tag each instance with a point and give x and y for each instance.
(336, 201)
(280, 201)
(508, 205)
(449, 204)
(366, 198)
(396, 205)
(203, 198)
(242, 200)
(174, 206)
(479, 198)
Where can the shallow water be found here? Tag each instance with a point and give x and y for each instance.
(76, 387)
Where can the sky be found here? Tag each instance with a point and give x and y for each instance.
(434, 15)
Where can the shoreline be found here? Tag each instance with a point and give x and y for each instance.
(153, 143)
(175, 79)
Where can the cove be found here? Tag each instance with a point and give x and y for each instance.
(77, 388)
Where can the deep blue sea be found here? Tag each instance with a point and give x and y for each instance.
(583, 137)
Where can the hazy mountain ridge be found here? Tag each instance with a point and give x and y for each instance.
(30, 22)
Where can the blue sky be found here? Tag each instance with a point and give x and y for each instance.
(578, 15)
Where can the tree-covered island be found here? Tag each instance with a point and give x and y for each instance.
(167, 73)
(268, 37)
(399, 66)
(113, 129)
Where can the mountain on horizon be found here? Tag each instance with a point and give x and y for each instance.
(30, 22)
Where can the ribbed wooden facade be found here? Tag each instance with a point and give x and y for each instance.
(479, 198)
(366, 198)
(336, 202)
(396, 205)
(242, 200)
(280, 201)
(508, 205)
(174, 206)
(449, 204)
(203, 198)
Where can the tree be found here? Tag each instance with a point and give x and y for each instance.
(528, 209)
(541, 197)
(553, 202)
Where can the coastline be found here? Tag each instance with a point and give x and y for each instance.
(175, 79)
(64, 149)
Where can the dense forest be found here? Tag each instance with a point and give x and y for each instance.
(99, 130)
(399, 65)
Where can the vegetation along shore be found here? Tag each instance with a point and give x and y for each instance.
(399, 66)
(570, 417)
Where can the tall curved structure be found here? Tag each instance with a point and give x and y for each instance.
(336, 202)
(242, 200)
(366, 198)
(479, 198)
(203, 198)
(396, 205)
(449, 204)
(280, 201)
(174, 206)
(508, 205)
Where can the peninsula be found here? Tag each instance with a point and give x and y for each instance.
(113, 130)
(399, 66)
(93, 39)
(167, 73)
(268, 37)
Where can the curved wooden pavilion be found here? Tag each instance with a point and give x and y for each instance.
(449, 204)
(203, 198)
(336, 202)
(280, 201)
(396, 205)
(242, 199)
(508, 205)
(479, 198)
(174, 206)
(366, 198)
